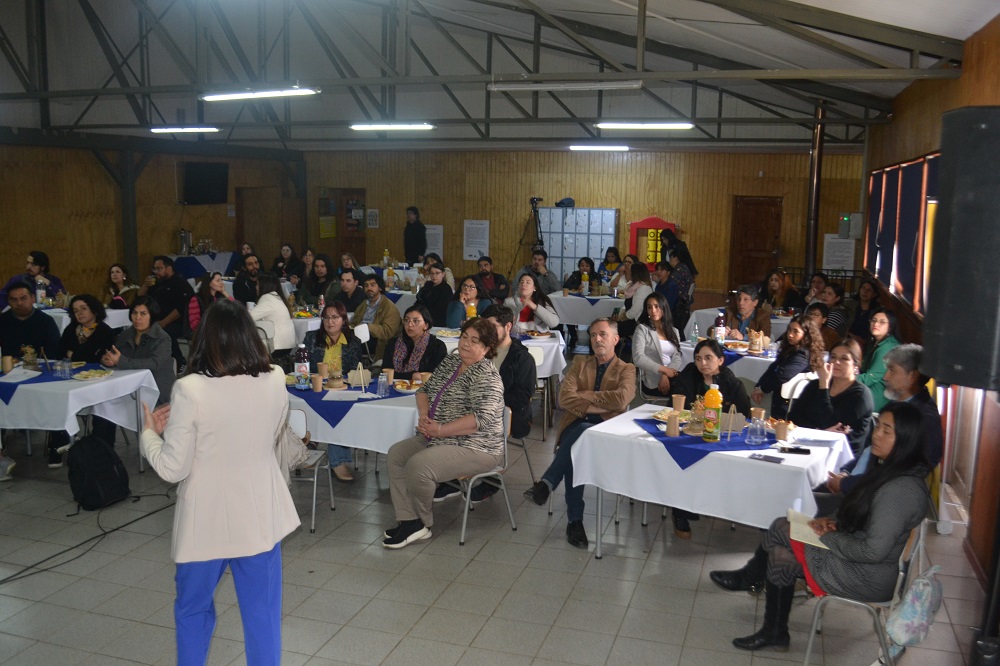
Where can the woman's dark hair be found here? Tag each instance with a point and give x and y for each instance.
(666, 326)
(294, 256)
(838, 291)
(125, 278)
(423, 312)
(267, 283)
(907, 458)
(487, 334)
(205, 298)
(40, 259)
(537, 296)
(713, 345)
(345, 327)
(684, 257)
(414, 210)
(149, 302)
(308, 248)
(481, 294)
(226, 344)
(250, 245)
(640, 273)
(590, 262)
(613, 250)
(91, 302)
(812, 342)
(819, 307)
(890, 315)
(435, 256)
(871, 283)
(314, 286)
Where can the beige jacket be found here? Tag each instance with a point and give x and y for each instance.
(219, 446)
(387, 323)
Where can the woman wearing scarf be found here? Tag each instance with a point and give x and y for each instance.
(415, 349)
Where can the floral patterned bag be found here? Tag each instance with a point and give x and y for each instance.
(909, 622)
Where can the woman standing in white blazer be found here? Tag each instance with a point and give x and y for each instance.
(216, 439)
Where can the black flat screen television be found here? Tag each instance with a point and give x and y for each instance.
(203, 183)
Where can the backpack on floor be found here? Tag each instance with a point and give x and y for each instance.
(97, 476)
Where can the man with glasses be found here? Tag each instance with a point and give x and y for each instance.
(351, 294)
(495, 284)
(381, 315)
(595, 389)
(36, 273)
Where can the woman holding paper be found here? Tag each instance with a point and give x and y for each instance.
(859, 549)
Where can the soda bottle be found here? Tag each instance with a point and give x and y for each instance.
(713, 413)
(719, 330)
(301, 368)
(585, 283)
(321, 304)
(40, 292)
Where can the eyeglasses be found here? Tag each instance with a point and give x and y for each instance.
(881, 322)
(413, 322)
(331, 317)
(469, 287)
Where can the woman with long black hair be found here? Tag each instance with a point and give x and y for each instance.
(656, 347)
(800, 350)
(864, 540)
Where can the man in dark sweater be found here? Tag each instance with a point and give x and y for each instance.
(172, 293)
(495, 284)
(245, 286)
(23, 325)
(414, 237)
(351, 294)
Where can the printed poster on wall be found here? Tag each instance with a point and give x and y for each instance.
(477, 240)
(435, 240)
(373, 218)
(838, 253)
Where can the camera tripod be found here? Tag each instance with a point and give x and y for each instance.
(538, 244)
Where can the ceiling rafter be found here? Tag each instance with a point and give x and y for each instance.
(447, 90)
(157, 28)
(586, 44)
(104, 42)
(16, 65)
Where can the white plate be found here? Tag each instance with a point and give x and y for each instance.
(91, 379)
(448, 333)
(406, 391)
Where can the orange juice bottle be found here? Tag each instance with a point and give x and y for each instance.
(713, 413)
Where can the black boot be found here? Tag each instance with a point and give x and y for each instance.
(774, 633)
(750, 578)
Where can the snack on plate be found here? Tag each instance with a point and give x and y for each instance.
(684, 415)
(448, 333)
(303, 314)
(771, 422)
(755, 342)
(92, 374)
(538, 334)
(736, 345)
(404, 385)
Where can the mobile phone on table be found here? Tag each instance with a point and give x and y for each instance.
(800, 450)
(766, 458)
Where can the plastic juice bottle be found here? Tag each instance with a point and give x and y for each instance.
(470, 311)
(713, 413)
(585, 283)
(719, 329)
(385, 257)
(301, 368)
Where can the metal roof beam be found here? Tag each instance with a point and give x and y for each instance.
(104, 41)
(572, 35)
(175, 52)
(10, 53)
(845, 24)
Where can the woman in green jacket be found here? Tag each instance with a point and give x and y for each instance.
(882, 327)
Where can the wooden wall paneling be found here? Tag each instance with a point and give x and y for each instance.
(986, 492)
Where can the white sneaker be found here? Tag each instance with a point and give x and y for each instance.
(7, 466)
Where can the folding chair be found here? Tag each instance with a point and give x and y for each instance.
(265, 329)
(640, 390)
(364, 334)
(793, 388)
(297, 422)
(543, 386)
(904, 576)
(494, 477)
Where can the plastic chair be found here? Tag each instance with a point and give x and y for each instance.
(905, 573)
(793, 388)
(265, 329)
(297, 422)
(494, 477)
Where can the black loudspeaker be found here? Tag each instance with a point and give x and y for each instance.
(962, 326)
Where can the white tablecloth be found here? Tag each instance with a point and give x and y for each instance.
(750, 367)
(303, 326)
(54, 405)
(114, 319)
(403, 300)
(578, 311)
(553, 348)
(706, 319)
(374, 425)
(618, 456)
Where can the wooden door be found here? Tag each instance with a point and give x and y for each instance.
(258, 213)
(756, 237)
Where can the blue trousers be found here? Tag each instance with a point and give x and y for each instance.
(562, 468)
(339, 454)
(258, 591)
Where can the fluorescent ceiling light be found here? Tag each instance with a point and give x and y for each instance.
(620, 149)
(182, 130)
(259, 94)
(645, 126)
(517, 86)
(391, 127)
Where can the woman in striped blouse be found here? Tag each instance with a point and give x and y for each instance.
(459, 432)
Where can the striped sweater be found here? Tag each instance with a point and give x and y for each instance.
(477, 391)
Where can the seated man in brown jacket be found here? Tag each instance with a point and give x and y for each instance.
(595, 389)
(746, 316)
(381, 315)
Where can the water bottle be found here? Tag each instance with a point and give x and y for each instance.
(40, 292)
(694, 334)
(302, 368)
(757, 434)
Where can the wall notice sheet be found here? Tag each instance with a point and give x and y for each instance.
(435, 240)
(838, 253)
(477, 240)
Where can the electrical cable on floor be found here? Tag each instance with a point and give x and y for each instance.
(97, 538)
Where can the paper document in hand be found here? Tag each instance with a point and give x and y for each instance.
(801, 531)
